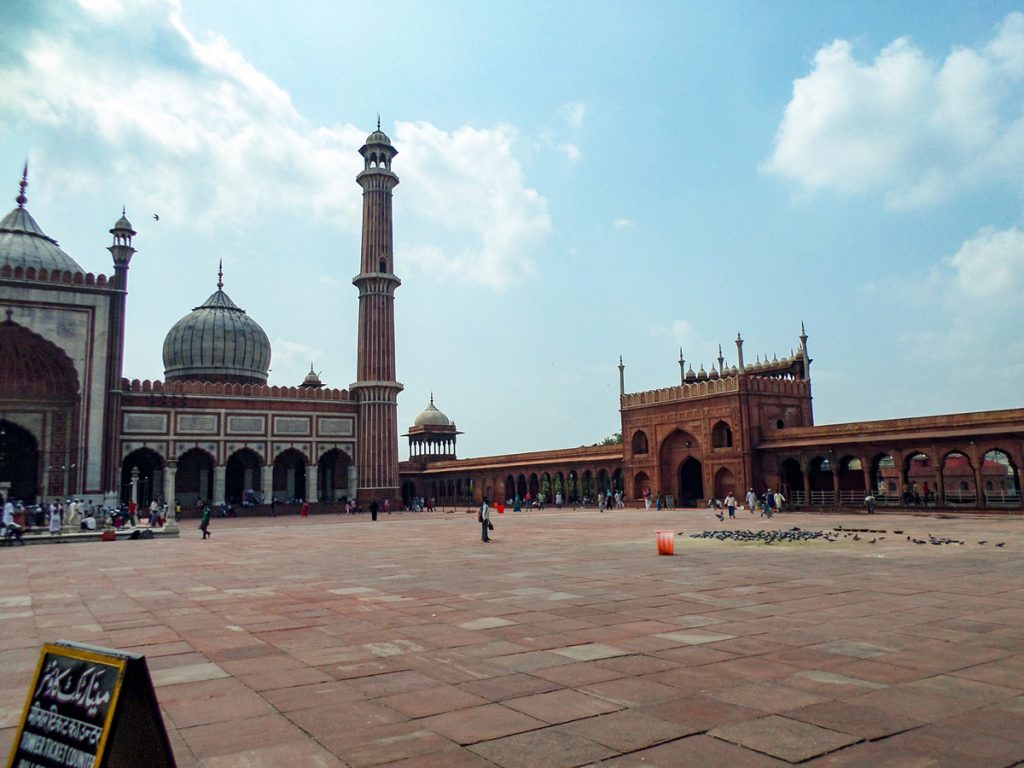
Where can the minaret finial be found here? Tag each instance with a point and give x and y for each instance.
(431, 397)
(21, 199)
(220, 283)
(378, 121)
(123, 209)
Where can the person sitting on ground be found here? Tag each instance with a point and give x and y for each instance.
(89, 522)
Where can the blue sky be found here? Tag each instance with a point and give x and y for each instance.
(579, 181)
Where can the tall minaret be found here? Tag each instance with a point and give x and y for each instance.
(122, 251)
(376, 388)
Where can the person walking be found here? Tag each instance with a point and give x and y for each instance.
(779, 500)
(730, 503)
(517, 505)
(305, 509)
(485, 520)
(751, 500)
(558, 499)
(273, 506)
(373, 509)
(204, 522)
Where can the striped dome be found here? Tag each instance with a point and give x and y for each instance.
(217, 341)
(24, 244)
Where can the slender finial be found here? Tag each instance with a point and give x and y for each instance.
(21, 199)
(220, 282)
(122, 210)
(802, 331)
(378, 121)
(431, 397)
(311, 366)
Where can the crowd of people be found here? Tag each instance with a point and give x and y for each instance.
(73, 515)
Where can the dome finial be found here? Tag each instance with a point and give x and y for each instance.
(21, 199)
(378, 121)
(220, 280)
(431, 397)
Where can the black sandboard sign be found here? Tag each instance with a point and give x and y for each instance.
(91, 707)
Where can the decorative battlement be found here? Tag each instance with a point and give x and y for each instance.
(43, 275)
(221, 389)
(715, 387)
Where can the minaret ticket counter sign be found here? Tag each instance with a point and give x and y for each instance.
(91, 707)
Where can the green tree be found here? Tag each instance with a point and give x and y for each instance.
(615, 439)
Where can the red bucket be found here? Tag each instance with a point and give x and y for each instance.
(666, 542)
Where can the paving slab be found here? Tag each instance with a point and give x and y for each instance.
(336, 641)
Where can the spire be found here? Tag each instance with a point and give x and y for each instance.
(721, 359)
(622, 378)
(682, 368)
(739, 354)
(431, 391)
(378, 121)
(21, 199)
(220, 286)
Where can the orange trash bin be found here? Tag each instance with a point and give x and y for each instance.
(666, 542)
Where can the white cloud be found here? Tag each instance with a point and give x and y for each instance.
(291, 362)
(572, 152)
(194, 131)
(904, 125)
(624, 224)
(470, 183)
(572, 112)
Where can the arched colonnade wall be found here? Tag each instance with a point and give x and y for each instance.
(192, 448)
(965, 460)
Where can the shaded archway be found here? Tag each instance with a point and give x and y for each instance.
(242, 477)
(193, 482)
(885, 479)
(822, 482)
(639, 442)
(144, 465)
(725, 483)
(332, 475)
(851, 481)
(408, 492)
(691, 483)
(521, 486)
(19, 462)
(793, 481)
(1002, 479)
(721, 435)
(641, 482)
(958, 481)
(676, 449)
(534, 487)
(290, 476)
(920, 479)
(510, 488)
(619, 481)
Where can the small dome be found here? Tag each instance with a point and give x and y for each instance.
(431, 417)
(378, 137)
(24, 244)
(123, 225)
(312, 380)
(217, 341)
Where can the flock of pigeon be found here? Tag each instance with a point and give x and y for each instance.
(796, 534)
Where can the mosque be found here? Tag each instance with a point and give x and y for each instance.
(71, 423)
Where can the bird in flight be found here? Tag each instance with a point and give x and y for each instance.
(156, 217)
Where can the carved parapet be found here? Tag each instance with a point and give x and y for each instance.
(699, 389)
(43, 275)
(227, 389)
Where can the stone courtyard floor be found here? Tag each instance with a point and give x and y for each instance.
(567, 641)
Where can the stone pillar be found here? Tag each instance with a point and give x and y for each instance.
(311, 476)
(267, 478)
(940, 496)
(135, 485)
(289, 483)
(979, 482)
(169, 498)
(353, 481)
(220, 472)
(204, 484)
(807, 482)
(865, 467)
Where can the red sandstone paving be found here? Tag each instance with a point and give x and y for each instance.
(337, 642)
